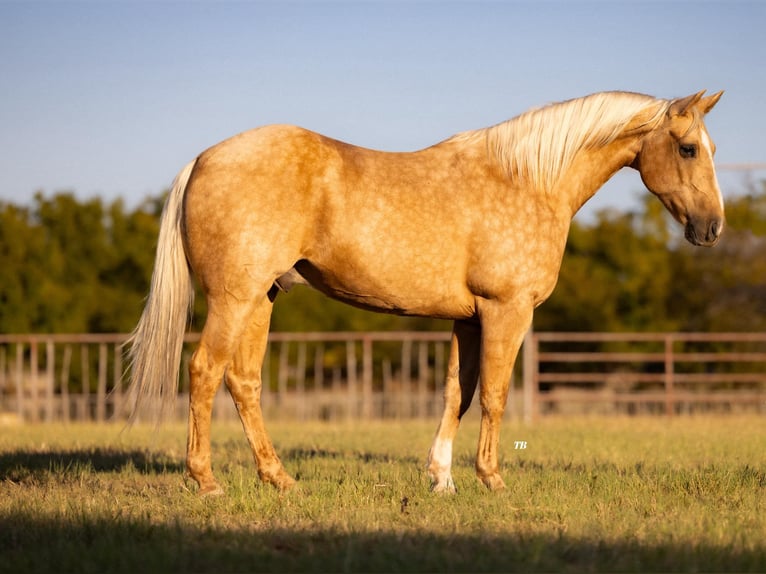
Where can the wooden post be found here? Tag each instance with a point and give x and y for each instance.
(20, 380)
(300, 381)
(351, 378)
(406, 388)
(3, 369)
(337, 392)
(366, 377)
(669, 368)
(101, 388)
(388, 407)
(64, 381)
(50, 379)
(117, 381)
(319, 367)
(33, 382)
(85, 373)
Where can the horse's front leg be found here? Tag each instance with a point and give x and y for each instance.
(503, 330)
(460, 386)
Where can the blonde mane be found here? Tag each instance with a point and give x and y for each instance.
(541, 144)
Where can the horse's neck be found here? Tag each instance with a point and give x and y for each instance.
(592, 168)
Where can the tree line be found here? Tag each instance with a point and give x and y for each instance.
(71, 266)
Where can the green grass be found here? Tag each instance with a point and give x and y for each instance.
(686, 494)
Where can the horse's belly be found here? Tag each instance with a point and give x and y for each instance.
(407, 294)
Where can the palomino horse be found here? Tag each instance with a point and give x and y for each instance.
(471, 229)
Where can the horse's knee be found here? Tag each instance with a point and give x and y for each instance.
(198, 364)
(246, 392)
(205, 373)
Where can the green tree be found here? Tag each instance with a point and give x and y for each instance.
(614, 275)
(724, 288)
(125, 274)
(73, 266)
(24, 284)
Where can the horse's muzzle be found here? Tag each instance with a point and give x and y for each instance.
(704, 233)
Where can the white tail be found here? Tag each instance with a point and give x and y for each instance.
(157, 341)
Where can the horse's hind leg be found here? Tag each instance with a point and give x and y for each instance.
(462, 376)
(243, 378)
(216, 349)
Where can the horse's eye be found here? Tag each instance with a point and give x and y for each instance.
(687, 151)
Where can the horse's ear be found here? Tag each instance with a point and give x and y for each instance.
(682, 105)
(706, 104)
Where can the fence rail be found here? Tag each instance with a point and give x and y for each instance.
(666, 373)
(353, 375)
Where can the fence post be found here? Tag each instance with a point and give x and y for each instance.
(406, 386)
(300, 382)
(529, 373)
(353, 406)
(34, 381)
(366, 377)
(101, 388)
(669, 368)
(50, 379)
(85, 370)
(20, 380)
(117, 388)
(319, 367)
(65, 363)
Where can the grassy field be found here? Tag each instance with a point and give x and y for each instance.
(687, 494)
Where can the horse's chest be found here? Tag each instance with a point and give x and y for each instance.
(522, 262)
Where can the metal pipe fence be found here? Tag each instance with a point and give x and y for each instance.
(361, 375)
(644, 373)
(333, 375)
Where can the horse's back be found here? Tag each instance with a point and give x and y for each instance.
(261, 154)
(411, 232)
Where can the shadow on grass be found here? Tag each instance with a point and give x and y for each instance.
(18, 463)
(86, 544)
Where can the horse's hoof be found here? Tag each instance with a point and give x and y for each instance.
(286, 483)
(443, 486)
(493, 482)
(210, 491)
(279, 480)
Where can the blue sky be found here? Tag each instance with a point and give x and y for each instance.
(113, 98)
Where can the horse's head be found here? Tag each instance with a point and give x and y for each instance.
(676, 164)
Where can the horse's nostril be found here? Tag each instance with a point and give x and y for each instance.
(714, 230)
